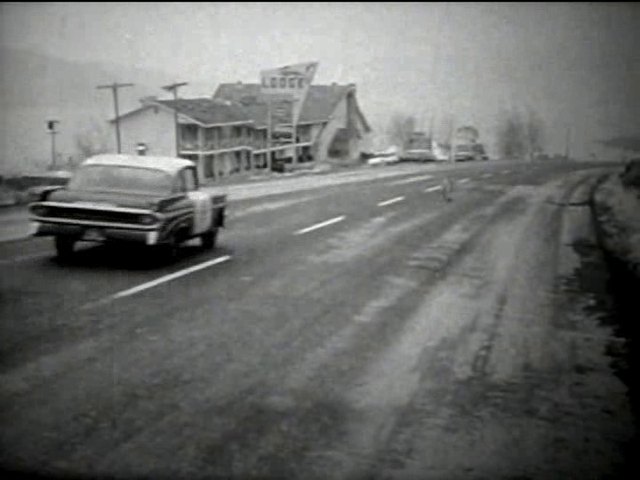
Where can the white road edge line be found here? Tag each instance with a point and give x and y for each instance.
(464, 180)
(320, 225)
(390, 201)
(433, 189)
(171, 276)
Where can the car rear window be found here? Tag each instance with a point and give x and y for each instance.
(101, 178)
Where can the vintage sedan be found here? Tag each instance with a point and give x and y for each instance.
(153, 201)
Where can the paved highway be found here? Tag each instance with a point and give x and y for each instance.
(346, 326)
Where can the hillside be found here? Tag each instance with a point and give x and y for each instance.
(36, 87)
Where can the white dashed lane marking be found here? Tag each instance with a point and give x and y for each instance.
(168, 278)
(331, 221)
(390, 201)
(433, 189)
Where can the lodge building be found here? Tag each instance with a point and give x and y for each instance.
(227, 134)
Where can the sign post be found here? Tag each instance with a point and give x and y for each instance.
(290, 82)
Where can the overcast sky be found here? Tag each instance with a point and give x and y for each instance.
(576, 64)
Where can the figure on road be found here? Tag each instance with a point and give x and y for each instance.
(447, 188)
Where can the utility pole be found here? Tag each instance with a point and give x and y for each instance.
(114, 88)
(174, 89)
(567, 149)
(269, 133)
(51, 125)
(294, 160)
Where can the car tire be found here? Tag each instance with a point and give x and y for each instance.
(167, 251)
(209, 239)
(173, 247)
(64, 246)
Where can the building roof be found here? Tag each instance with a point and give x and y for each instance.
(243, 103)
(320, 103)
(167, 164)
(205, 111)
(208, 111)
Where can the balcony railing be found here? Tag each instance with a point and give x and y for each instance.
(191, 145)
(233, 143)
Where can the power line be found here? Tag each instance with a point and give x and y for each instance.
(114, 88)
(174, 89)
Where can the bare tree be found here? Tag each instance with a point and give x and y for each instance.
(92, 140)
(520, 136)
(400, 128)
(534, 133)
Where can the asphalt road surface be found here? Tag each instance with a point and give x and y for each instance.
(359, 328)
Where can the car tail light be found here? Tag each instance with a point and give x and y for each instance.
(147, 219)
(40, 211)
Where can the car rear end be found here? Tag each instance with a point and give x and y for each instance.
(95, 223)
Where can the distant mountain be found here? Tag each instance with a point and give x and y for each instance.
(35, 88)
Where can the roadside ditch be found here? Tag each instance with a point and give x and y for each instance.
(617, 234)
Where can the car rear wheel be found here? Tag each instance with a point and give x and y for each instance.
(172, 247)
(64, 246)
(209, 239)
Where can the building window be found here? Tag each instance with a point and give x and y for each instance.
(208, 166)
(220, 164)
(210, 138)
(237, 162)
(189, 137)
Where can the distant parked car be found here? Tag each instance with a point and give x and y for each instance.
(418, 155)
(470, 152)
(36, 184)
(481, 154)
(383, 160)
(154, 201)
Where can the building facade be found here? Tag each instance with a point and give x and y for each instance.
(228, 134)
(331, 126)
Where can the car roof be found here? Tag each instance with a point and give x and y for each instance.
(166, 164)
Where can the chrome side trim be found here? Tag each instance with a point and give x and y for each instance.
(94, 207)
(89, 223)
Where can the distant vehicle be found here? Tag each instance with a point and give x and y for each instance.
(440, 152)
(383, 160)
(470, 152)
(419, 148)
(38, 183)
(481, 153)
(418, 155)
(153, 201)
(390, 155)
